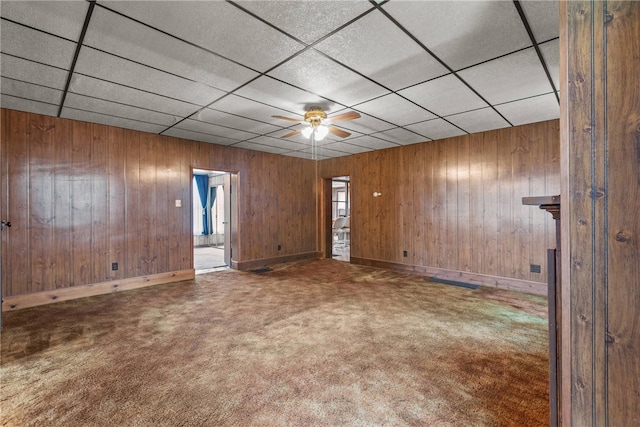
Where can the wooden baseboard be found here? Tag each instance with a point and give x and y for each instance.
(64, 294)
(460, 276)
(258, 263)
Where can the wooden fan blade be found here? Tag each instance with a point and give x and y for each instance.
(338, 132)
(346, 116)
(295, 132)
(288, 118)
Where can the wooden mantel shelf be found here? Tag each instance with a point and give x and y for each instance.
(550, 204)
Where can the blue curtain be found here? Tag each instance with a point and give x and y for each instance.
(212, 199)
(202, 181)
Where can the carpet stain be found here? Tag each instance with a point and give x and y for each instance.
(320, 342)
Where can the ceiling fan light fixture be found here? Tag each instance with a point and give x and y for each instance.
(306, 132)
(321, 132)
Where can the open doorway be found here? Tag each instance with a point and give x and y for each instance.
(212, 220)
(341, 218)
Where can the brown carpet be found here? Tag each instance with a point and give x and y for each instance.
(315, 343)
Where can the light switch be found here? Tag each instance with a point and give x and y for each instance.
(178, 203)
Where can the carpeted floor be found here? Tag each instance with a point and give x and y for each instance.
(314, 343)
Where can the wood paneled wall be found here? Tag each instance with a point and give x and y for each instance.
(600, 151)
(456, 204)
(81, 196)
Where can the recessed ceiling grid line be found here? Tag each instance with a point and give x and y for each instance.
(525, 22)
(414, 38)
(76, 54)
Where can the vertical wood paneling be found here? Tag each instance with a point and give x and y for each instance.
(521, 214)
(148, 203)
(491, 214)
(99, 203)
(117, 202)
(132, 226)
(4, 199)
(538, 219)
(476, 207)
(161, 187)
(81, 204)
(505, 149)
(174, 214)
(452, 249)
(62, 272)
(439, 188)
(430, 253)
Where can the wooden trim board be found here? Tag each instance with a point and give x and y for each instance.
(460, 276)
(18, 302)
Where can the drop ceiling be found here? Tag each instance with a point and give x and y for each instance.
(217, 71)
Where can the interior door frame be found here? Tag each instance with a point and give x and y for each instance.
(231, 232)
(327, 213)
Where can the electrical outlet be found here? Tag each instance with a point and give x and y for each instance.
(114, 266)
(404, 254)
(279, 247)
(535, 268)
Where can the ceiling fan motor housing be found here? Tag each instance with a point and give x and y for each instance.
(315, 116)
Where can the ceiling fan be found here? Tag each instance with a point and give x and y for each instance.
(319, 126)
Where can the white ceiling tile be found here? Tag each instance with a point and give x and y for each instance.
(124, 37)
(36, 46)
(248, 108)
(280, 95)
(444, 96)
(32, 72)
(199, 136)
(531, 110)
(316, 73)
(87, 116)
(463, 33)
(95, 105)
(436, 129)
(21, 104)
(226, 132)
(400, 136)
(346, 147)
(307, 20)
(285, 144)
(62, 18)
(215, 25)
(225, 119)
(551, 54)
(511, 77)
(478, 120)
(365, 124)
(111, 68)
(542, 17)
(324, 152)
(85, 85)
(377, 48)
(396, 110)
(248, 145)
(30, 91)
(372, 143)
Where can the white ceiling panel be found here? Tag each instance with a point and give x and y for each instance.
(117, 70)
(400, 136)
(217, 26)
(324, 152)
(551, 54)
(478, 120)
(538, 109)
(88, 116)
(32, 72)
(121, 36)
(21, 104)
(436, 129)
(444, 96)
(85, 85)
(199, 136)
(260, 147)
(463, 33)
(281, 144)
(62, 18)
(280, 95)
(95, 105)
(543, 18)
(516, 76)
(318, 74)
(377, 48)
(364, 125)
(36, 46)
(248, 108)
(221, 118)
(197, 126)
(307, 20)
(345, 147)
(372, 143)
(30, 91)
(396, 110)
